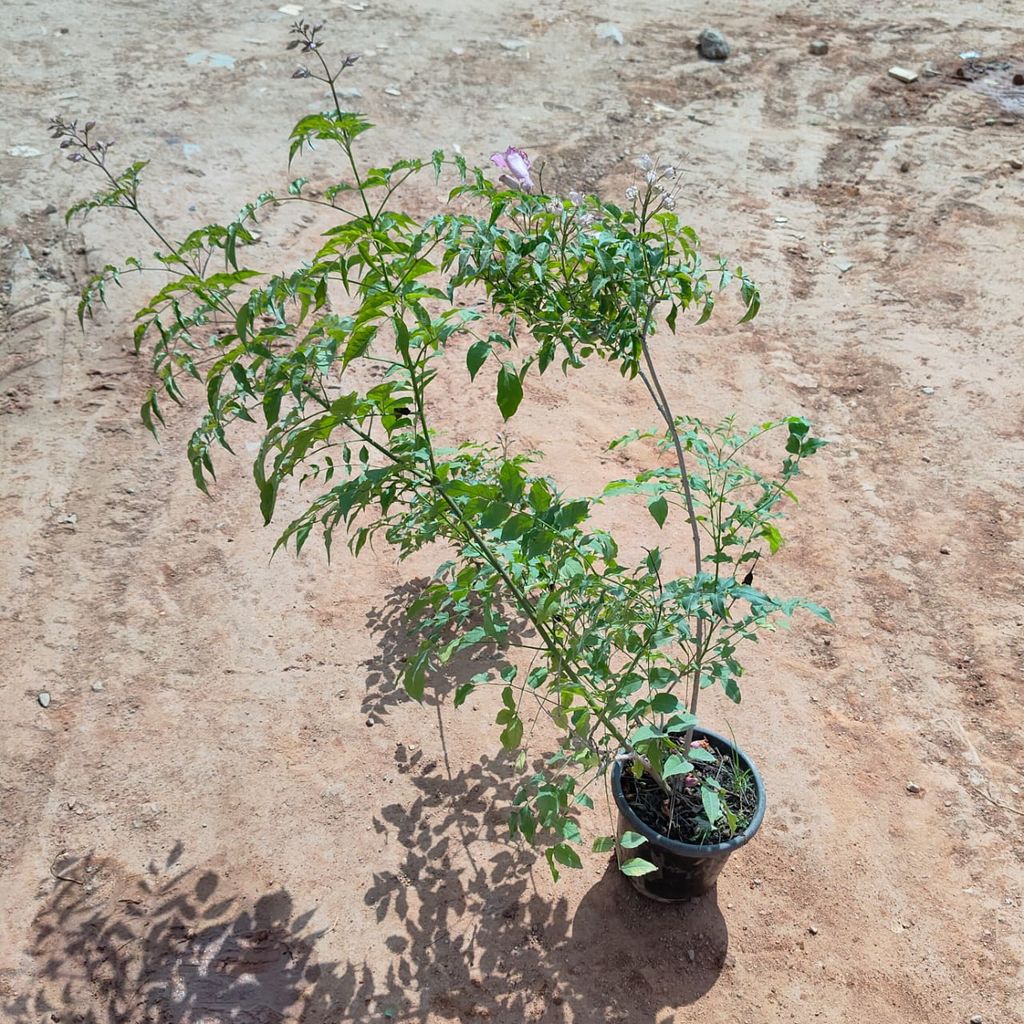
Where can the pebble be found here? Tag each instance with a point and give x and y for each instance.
(1017, 165)
(294, 10)
(392, 91)
(712, 45)
(23, 151)
(350, 93)
(902, 74)
(904, 167)
(944, 550)
(817, 47)
(691, 955)
(97, 686)
(813, 930)
(513, 44)
(843, 266)
(606, 30)
(44, 699)
(977, 1019)
(927, 391)
(913, 787)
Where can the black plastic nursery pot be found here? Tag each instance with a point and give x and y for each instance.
(684, 870)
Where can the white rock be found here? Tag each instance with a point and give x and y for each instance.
(902, 74)
(607, 30)
(23, 151)
(44, 699)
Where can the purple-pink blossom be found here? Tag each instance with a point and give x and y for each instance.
(517, 165)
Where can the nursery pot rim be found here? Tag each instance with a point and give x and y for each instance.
(677, 846)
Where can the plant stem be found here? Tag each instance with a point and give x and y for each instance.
(666, 411)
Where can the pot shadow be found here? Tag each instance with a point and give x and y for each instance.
(397, 643)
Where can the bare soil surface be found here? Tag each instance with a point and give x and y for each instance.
(228, 812)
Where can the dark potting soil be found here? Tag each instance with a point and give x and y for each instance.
(682, 817)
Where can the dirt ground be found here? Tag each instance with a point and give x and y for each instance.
(228, 813)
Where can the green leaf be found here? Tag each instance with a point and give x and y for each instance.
(510, 391)
(665, 703)
(712, 804)
(658, 507)
(676, 765)
(772, 535)
(701, 755)
(476, 357)
(566, 855)
(604, 844)
(462, 693)
(637, 866)
(631, 840)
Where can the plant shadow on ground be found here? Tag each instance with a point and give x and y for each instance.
(390, 622)
(469, 936)
(469, 940)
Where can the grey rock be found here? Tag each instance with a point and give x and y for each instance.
(813, 930)
(712, 45)
(97, 686)
(44, 699)
(977, 1019)
(817, 47)
(944, 550)
(913, 787)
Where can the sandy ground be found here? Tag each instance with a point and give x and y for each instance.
(227, 812)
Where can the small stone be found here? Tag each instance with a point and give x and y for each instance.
(817, 47)
(927, 390)
(606, 30)
(691, 955)
(944, 550)
(904, 167)
(843, 266)
(813, 930)
(44, 699)
(513, 44)
(1017, 165)
(97, 686)
(292, 10)
(902, 74)
(23, 151)
(350, 93)
(977, 1019)
(989, 121)
(369, 723)
(50, 209)
(712, 45)
(392, 91)
(913, 787)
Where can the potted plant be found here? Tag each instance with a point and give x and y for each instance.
(334, 363)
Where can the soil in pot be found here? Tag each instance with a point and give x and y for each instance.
(684, 816)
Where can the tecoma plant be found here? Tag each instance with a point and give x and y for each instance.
(345, 402)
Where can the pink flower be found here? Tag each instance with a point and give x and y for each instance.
(517, 164)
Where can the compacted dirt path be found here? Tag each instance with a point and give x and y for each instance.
(228, 812)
